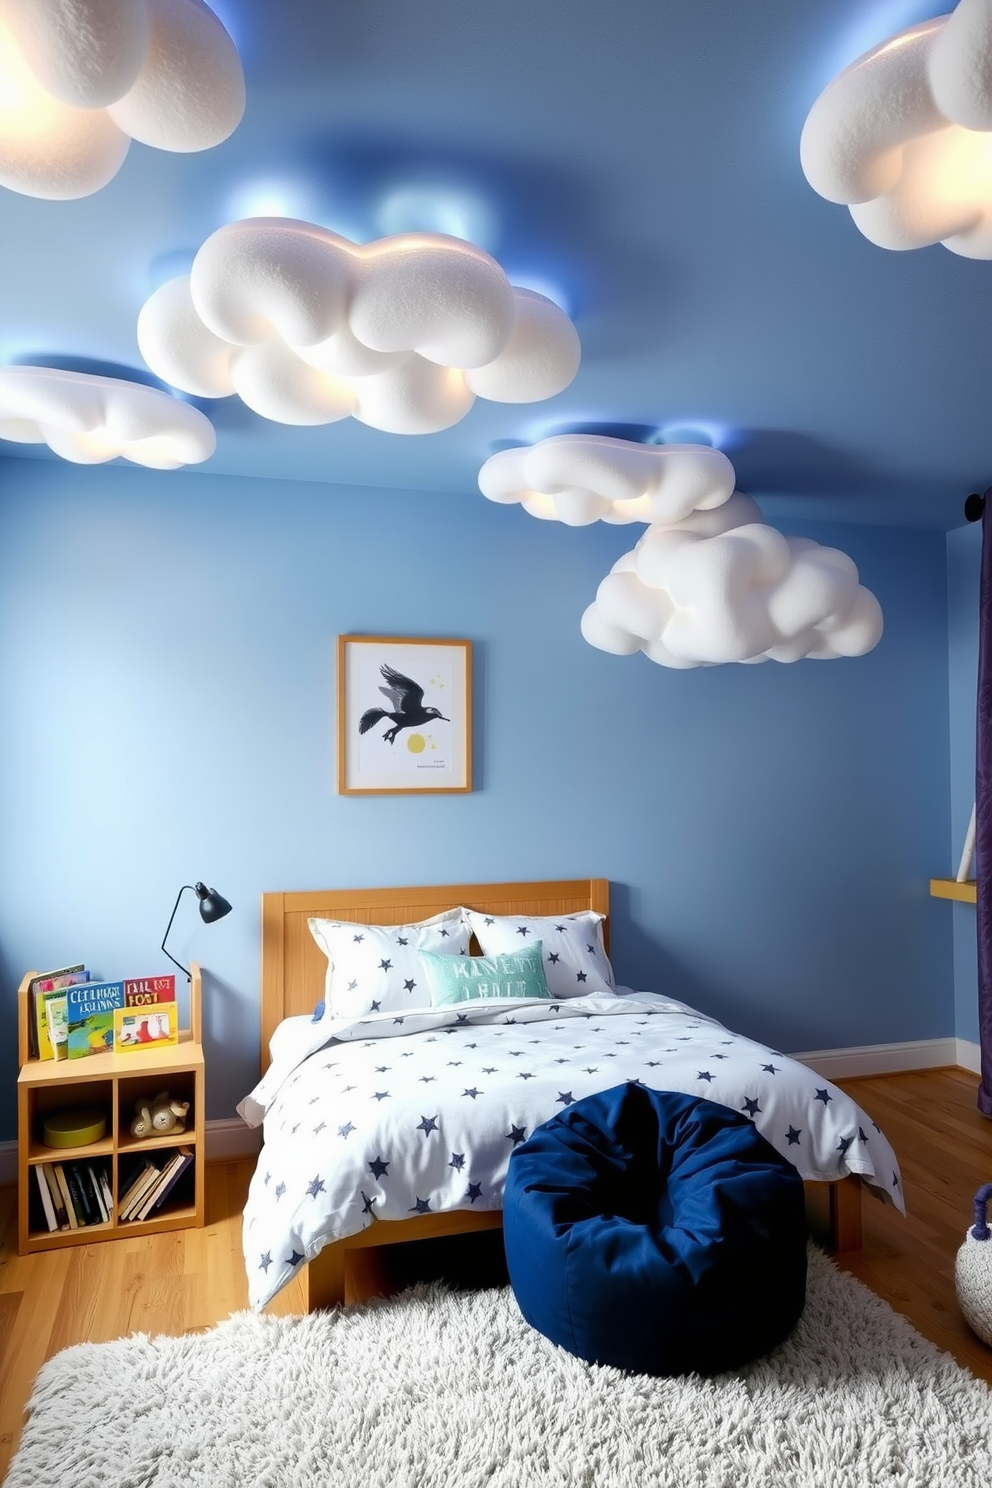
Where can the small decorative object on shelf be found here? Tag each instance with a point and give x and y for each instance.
(75, 1128)
(157, 1117)
(73, 1173)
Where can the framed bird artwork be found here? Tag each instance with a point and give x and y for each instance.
(404, 715)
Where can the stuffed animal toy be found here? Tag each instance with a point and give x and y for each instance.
(973, 1270)
(156, 1118)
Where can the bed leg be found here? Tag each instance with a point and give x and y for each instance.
(845, 1215)
(323, 1279)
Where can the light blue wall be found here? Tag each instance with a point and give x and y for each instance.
(167, 682)
(964, 552)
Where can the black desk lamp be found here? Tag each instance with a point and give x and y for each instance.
(213, 906)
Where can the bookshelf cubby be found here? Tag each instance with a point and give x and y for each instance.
(111, 1083)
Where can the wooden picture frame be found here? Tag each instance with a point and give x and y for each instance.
(404, 715)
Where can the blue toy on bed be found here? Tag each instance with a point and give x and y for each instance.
(656, 1232)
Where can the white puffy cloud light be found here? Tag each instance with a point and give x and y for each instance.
(90, 419)
(307, 327)
(720, 586)
(903, 136)
(79, 79)
(583, 478)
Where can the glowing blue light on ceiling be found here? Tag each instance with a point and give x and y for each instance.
(872, 26)
(231, 19)
(271, 197)
(542, 286)
(166, 266)
(428, 206)
(693, 431)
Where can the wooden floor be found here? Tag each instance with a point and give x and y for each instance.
(190, 1279)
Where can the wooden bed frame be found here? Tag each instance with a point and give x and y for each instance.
(293, 967)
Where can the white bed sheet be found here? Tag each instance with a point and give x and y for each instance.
(387, 1117)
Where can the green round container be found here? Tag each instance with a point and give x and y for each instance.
(75, 1128)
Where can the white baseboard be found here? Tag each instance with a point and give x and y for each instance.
(229, 1137)
(969, 1056)
(226, 1139)
(892, 1059)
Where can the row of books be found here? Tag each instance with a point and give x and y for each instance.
(74, 1194)
(77, 1194)
(155, 1176)
(72, 1016)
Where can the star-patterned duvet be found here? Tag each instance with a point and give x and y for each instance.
(386, 1117)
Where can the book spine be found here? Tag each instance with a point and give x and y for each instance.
(97, 1192)
(108, 1197)
(186, 1157)
(128, 1184)
(46, 1198)
(66, 1197)
(138, 1191)
(58, 1203)
(158, 1187)
(85, 1181)
(77, 1193)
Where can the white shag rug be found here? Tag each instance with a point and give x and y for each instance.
(441, 1389)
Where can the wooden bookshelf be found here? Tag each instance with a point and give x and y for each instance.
(112, 1082)
(949, 888)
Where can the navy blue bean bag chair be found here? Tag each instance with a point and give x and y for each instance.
(656, 1232)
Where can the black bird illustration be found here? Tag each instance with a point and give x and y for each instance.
(408, 710)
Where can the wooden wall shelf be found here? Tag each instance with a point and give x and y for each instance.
(949, 888)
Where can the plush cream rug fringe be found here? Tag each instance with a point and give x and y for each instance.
(439, 1389)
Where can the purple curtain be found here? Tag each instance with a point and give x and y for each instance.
(983, 808)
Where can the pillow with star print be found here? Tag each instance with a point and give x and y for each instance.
(375, 968)
(575, 959)
(517, 973)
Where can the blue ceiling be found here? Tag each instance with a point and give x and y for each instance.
(640, 161)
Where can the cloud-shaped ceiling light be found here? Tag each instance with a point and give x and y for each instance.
(721, 586)
(89, 419)
(583, 478)
(308, 327)
(79, 79)
(903, 136)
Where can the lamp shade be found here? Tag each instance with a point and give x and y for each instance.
(213, 906)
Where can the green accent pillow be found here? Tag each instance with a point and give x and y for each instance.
(454, 979)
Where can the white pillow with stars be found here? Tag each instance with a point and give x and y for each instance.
(575, 959)
(375, 968)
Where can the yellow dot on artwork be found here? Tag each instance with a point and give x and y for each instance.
(415, 743)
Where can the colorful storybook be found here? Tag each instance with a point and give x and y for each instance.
(90, 1008)
(141, 1027)
(71, 1016)
(41, 989)
(147, 991)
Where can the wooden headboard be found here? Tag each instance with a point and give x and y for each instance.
(293, 966)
